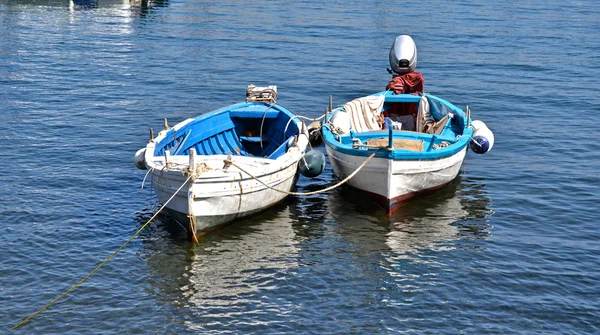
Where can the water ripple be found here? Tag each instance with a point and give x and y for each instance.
(508, 247)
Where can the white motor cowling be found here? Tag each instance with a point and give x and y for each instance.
(482, 140)
(403, 55)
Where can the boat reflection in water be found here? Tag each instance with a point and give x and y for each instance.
(329, 252)
(101, 3)
(431, 223)
(142, 5)
(418, 257)
(80, 4)
(435, 223)
(218, 278)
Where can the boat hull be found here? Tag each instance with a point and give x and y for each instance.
(390, 182)
(221, 195)
(405, 160)
(226, 164)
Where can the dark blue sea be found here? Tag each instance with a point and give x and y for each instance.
(512, 246)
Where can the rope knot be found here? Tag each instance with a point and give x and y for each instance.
(197, 171)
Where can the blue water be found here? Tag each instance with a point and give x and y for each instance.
(510, 247)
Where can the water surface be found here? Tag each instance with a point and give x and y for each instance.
(511, 246)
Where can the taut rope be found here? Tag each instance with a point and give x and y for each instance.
(101, 264)
(229, 162)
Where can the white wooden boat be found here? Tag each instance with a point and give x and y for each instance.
(404, 163)
(260, 138)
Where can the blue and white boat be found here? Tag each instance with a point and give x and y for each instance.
(396, 146)
(229, 156)
(404, 163)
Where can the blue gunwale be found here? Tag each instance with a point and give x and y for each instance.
(343, 143)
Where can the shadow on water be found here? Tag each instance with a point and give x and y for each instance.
(231, 270)
(229, 257)
(430, 222)
(226, 268)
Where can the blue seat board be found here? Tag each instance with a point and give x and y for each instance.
(255, 139)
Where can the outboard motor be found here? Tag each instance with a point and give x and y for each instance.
(403, 55)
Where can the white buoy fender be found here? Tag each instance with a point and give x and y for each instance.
(340, 122)
(483, 138)
(139, 159)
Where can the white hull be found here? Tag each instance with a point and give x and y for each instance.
(391, 182)
(226, 164)
(219, 195)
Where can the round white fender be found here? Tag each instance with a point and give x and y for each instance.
(139, 159)
(340, 122)
(483, 138)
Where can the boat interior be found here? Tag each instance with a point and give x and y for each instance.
(445, 122)
(443, 131)
(253, 129)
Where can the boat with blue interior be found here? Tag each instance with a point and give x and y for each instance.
(234, 161)
(414, 142)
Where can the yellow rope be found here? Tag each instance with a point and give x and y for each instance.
(228, 161)
(101, 264)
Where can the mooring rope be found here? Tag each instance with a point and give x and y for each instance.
(142, 188)
(301, 117)
(263, 122)
(101, 264)
(229, 162)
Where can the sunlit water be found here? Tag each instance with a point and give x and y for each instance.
(511, 246)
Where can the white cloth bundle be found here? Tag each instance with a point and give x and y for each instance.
(365, 113)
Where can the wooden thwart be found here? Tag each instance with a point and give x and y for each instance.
(412, 145)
